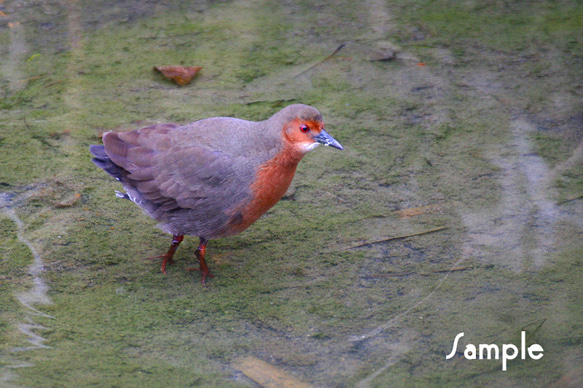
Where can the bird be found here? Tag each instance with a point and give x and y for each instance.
(212, 178)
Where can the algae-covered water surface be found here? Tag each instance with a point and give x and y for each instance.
(455, 207)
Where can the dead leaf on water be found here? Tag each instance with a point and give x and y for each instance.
(415, 211)
(266, 375)
(181, 75)
(68, 202)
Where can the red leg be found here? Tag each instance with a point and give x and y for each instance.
(176, 240)
(200, 253)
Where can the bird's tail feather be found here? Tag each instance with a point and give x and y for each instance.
(101, 160)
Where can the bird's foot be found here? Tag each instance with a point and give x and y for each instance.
(203, 272)
(167, 257)
(204, 269)
(167, 260)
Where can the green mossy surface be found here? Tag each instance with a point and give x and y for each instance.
(477, 115)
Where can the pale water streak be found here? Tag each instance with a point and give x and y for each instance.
(17, 51)
(35, 296)
(519, 232)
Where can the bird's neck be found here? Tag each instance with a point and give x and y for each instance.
(272, 181)
(275, 176)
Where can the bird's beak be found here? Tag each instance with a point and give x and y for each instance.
(327, 140)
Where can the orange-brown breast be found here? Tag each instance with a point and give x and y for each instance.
(273, 180)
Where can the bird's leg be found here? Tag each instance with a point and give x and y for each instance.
(176, 240)
(199, 253)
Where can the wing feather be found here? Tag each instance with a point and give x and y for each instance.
(189, 188)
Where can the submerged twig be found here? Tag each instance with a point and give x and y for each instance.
(569, 200)
(386, 275)
(32, 78)
(466, 268)
(533, 323)
(26, 124)
(274, 103)
(393, 238)
(33, 135)
(322, 61)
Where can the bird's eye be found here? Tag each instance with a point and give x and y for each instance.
(304, 128)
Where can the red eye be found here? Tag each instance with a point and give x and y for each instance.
(304, 128)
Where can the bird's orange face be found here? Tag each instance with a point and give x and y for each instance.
(305, 135)
(301, 134)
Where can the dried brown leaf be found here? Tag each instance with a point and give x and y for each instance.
(181, 75)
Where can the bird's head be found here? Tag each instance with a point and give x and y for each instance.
(303, 128)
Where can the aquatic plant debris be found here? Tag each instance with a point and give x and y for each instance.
(181, 75)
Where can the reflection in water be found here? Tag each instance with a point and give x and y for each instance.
(520, 231)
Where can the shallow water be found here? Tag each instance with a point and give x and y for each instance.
(455, 206)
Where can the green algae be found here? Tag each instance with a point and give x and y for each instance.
(287, 291)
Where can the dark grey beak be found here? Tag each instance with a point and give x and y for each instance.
(327, 140)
